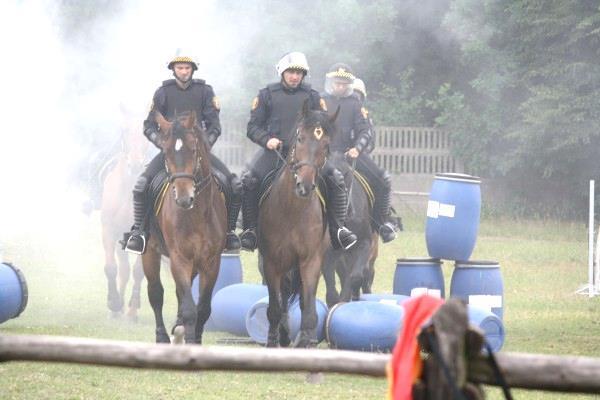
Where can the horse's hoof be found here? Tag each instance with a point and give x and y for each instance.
(114, 303)
(178, 333)
(162, 337)
(115, 315)
(132, 316)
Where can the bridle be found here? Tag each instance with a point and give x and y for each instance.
(200, 182)
(295, 165)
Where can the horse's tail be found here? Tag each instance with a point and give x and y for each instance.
(292, 284)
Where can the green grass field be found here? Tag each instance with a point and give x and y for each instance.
(543, 263)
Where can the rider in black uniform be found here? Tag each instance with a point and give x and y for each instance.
(272, 120)
(179, 95)
(353, 138)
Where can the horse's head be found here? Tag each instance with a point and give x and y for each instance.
(134, 147)
(184, 148)
(311, 148)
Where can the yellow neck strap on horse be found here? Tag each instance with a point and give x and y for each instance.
(160, 199)
(368, 190)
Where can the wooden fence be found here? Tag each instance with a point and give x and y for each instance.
(406, 152)
(527, 371)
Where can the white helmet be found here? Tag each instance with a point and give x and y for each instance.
(359, 86)
(293, 60)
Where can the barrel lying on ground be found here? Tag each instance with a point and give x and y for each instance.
(13, 292)
(231, 304)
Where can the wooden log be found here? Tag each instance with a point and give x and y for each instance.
(521, 370)
(541, 372)
(146, 355)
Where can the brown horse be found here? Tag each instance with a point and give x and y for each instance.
(115, 215)
(192, 221)
(292, 230)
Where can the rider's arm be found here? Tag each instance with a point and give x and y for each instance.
(150, 125)
(361, 127)
(210, 115)
(257, 125)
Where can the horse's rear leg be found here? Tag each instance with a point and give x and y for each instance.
(208, 278)
(134, 301)
(113, 299)
(151, 263)
(309, 272)
(181, 269)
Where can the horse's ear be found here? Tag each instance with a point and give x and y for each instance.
(191, 120)
(333, 117)
(305, 108)
(163, 124)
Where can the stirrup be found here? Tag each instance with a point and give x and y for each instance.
(350, 236)
(130, 246)
(387, 233)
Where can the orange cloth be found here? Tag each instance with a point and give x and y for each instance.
(406, 364)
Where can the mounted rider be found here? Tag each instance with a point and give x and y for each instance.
(353, 138)
(272, 119)
(361, 91)
(180, 95)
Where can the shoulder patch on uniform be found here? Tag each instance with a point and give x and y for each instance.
(255, 103)
(323, 105)
(216, 103)
(364, 112)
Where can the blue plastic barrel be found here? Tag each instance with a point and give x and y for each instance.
(231, 304)
(364, 325)
(13, 292)
(490, 324)
(480, 284)
(453, 216)
(385, 298)
(230, 272)
(257, 323)
(417, 276)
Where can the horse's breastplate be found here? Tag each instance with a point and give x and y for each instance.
(178, 100)
(345, 122)
(284, 113)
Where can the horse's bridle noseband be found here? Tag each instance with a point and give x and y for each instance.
(200, 182)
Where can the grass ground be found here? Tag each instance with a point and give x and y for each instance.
(543, 263)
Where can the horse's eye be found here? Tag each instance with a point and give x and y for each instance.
(299, 139)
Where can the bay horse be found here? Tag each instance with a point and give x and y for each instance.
(292, 230)
(192, 221)
(354, 266)
(116, 213)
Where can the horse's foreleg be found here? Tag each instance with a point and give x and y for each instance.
(151, 263)
(359, 272)
(124, 271)
(328, 269)
(370, 273)
(113, 299)
(134, 301)
(273, 278)
(208, 278)
(181, 269)
(309, 272)
(284, 325)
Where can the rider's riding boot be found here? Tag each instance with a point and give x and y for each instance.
(381, 210)
(234, 204)
(341, 236)
(135, 242)
(249, 214)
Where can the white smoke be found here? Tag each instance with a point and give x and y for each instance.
(64, 91)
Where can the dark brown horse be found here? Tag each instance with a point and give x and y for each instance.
(292, 230)
(192, 221)
(354, 267)
(115, 215)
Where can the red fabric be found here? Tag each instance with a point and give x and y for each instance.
(406, 365)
